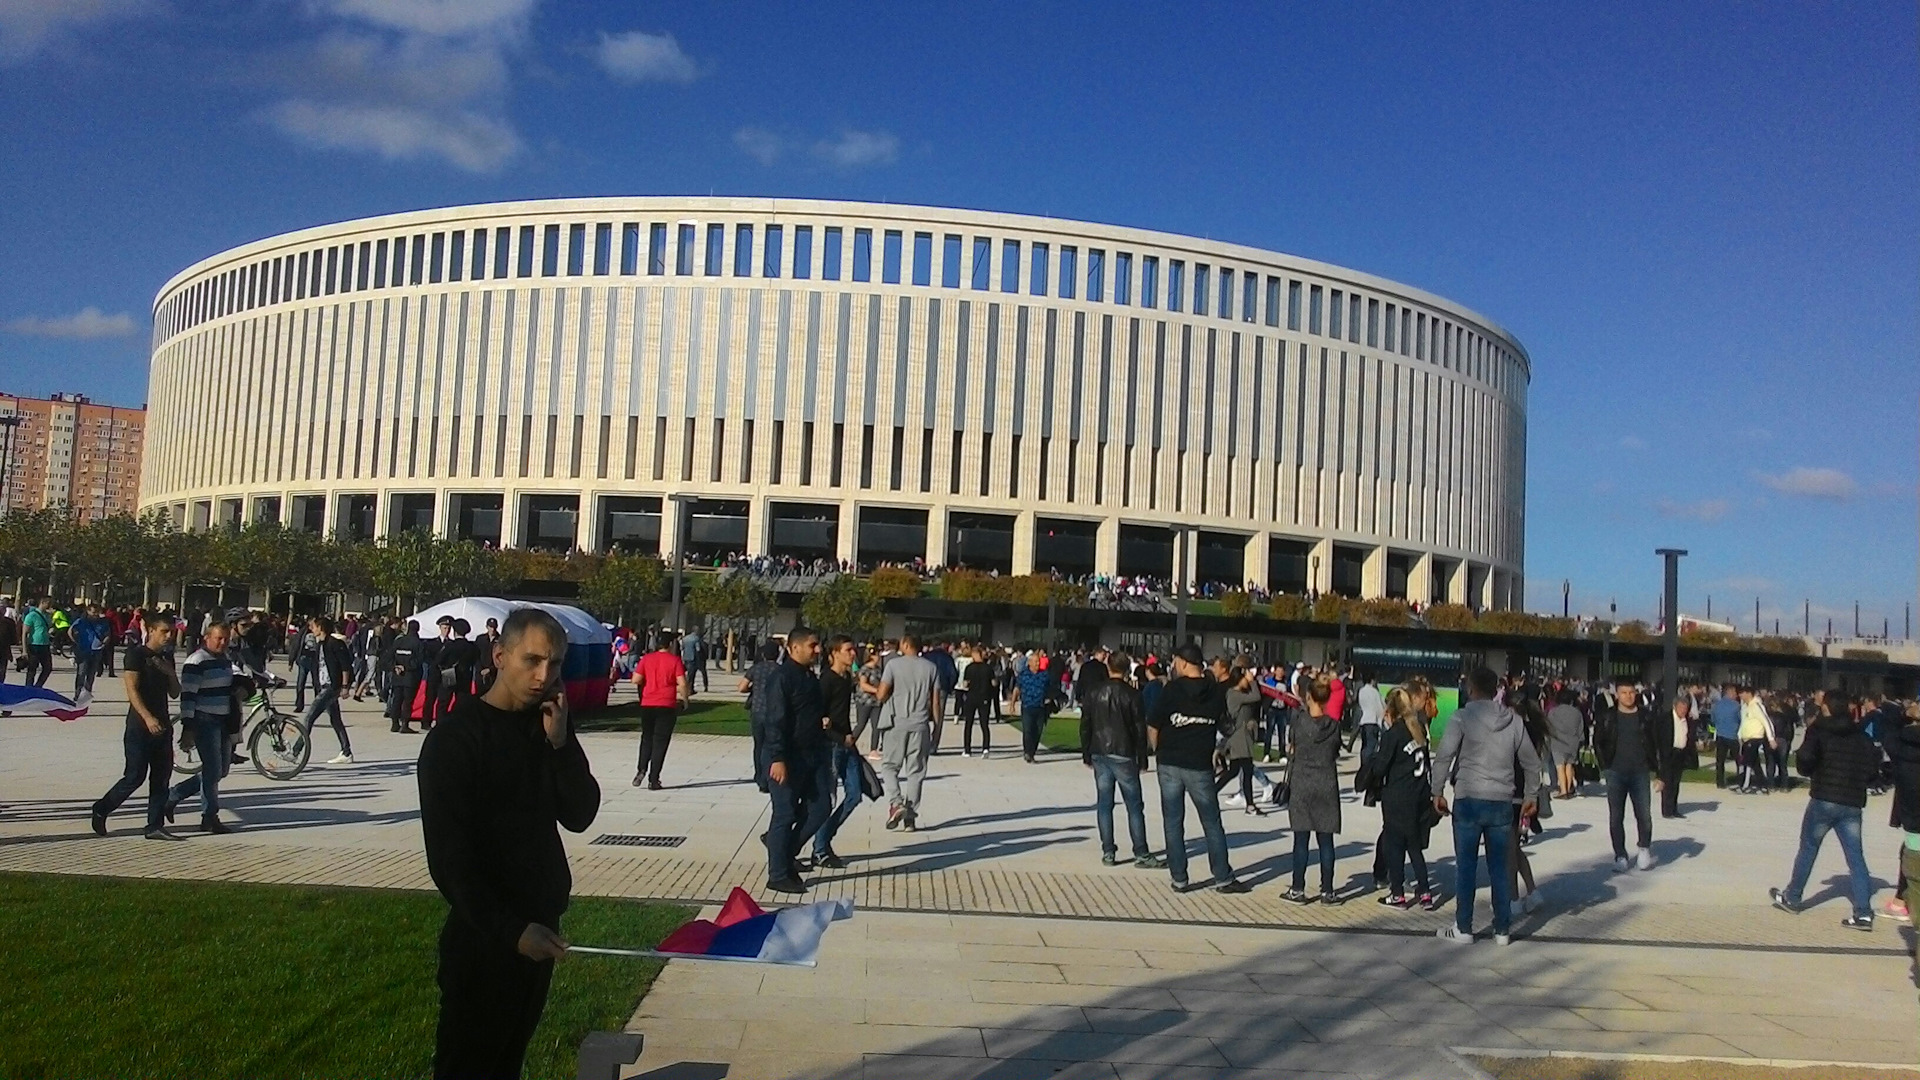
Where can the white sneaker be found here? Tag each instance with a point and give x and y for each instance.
(1532, 903)
(1502, 939)
(1232, 801)
(340, 759)
(1621, 865)
(1453, 934)
(1644, 860)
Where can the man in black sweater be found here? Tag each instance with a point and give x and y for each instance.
(1841, 761)
(496, 778)
(1183, 730)
(793, 727)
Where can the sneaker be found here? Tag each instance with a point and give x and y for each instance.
(895, 814)
(1454, 934)
(161, 834)
(1780, 901)
(1394, 901)
(1503, 939)
(340, 759)
(99, 823)
(907, 823)
(1232, 802)
(638, 779)
(830, 861)
(1235, 885)
(215, 827)
(1897, 909)
(1644, 859)
(1532, 903)
(1149, 862)
(1182, 887)
(1858, 922)
(1296, 896)
(1429, 901)
(1109, 859)
(1621, 865)
(788, 885)
(1331, 898)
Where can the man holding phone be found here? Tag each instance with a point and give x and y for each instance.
(497, 778)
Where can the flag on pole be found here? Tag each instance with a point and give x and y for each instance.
(743, 931)
(39, 701)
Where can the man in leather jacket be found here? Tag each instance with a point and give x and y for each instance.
(1113, 743)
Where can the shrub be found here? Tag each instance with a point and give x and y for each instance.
(1874, 655)
(1328, 607)
(1449, 617)
(1381, 611)
(1032, 590)
(1236, 604)
(1289, 606)
(894, 583)
(1525, 624)
(1635, 631)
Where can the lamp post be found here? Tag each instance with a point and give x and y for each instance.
(1566, 598)
(1606, 642)
(683, 510)
(1806, 618)
(1670, 653)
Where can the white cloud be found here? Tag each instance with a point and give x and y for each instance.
(1707, 510)
(1632, 442)
(27, 26)
(858, 149)
(469, 140)
(759, 144)
(1812, 483)
(439, 18)
(637, 56)
(86, 324)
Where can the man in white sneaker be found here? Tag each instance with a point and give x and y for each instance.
(1487, 756)
(1627, 745)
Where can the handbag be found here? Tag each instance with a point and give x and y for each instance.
(870, 780)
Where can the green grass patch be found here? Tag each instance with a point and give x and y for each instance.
(142, 978)
(1062, 734)
(701, 718)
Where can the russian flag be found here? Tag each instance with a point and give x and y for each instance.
(40, 701)
(744, 932)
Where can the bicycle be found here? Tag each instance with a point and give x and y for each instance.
(279, 744)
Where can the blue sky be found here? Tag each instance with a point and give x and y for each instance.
(1701, 219)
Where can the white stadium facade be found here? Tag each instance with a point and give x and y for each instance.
(853, 381)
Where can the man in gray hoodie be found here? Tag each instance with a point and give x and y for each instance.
(1489, 759)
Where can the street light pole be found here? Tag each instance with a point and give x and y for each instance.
(1670, 653)
(683, 509)
(1566, 598)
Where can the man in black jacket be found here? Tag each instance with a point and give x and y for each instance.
(1113, 743)
(1677, 753)
(403, 677)
(798, 762)
(1626, 740)
(497, 779)
(1840, 761)
(1903, 746)
(334, 677)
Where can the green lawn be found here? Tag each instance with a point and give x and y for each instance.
(114, 978)
(701, 718)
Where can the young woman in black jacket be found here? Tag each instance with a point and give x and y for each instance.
(1402, 766)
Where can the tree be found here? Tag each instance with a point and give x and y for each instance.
(421, 568)
(623, 586)
(894, 583)
(732, 600)
(1236, 604)
(844, 605)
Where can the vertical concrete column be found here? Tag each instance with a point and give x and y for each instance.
(1373, 574)
(1189, 554)
(1106, 547)
(1320, 566)
(670, 512)
(936, 554)
(759, 527)
(1023, 542)
(1420, 580)
(1457, 582)
(1254, 564)
(587, 528)
(848, 535)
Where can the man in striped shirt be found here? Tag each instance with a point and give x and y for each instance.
(207, 709)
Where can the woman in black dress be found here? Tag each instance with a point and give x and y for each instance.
(1403, 763)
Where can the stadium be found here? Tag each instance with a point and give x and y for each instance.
(855, 382)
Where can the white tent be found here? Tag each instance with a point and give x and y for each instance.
(582, 628)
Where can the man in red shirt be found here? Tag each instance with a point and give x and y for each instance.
(662, 679)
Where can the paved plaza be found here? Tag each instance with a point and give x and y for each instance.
(992, 943)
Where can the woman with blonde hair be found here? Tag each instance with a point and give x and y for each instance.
(1403, 766)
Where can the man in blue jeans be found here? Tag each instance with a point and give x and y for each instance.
(206, 706)
(1841, 761)
(1113, 743)
(1488, 758)
(1184, 730)
(842, 767)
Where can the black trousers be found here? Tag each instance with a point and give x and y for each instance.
(1724, 750)
(400, 701)
(490, 1003)
(149, 759)
(1670, 788)
(1242, 768)
(430, 709)
(451, 693)
(656, 731)
(977, 708)
(1396, 851)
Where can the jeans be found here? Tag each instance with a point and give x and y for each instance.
(1777, 761)
(1475, 820)
(1325, 841)
(1176, 786)
(149, 758)
(39, 664)
(86, 662)
(656, 731)
(1369, 741)
(1396, 851)
(210, 743)
(1622, 786)
(799, 810)
(304, 671)
(327, 700)
(1110, 771)
(1033, 720)
(846, 766)
(1844, 822)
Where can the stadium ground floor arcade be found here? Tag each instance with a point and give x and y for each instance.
(873, 532)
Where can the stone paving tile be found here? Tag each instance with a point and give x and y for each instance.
(920, 1067)
(1102, 1046)
(1278, 1024)
(981, 1014)
(1701, 1022)
(1840, 1044)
